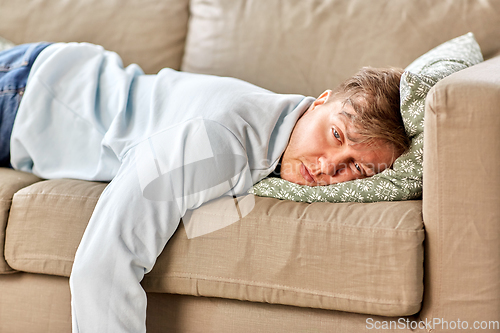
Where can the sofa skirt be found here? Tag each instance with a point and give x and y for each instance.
(36, 303)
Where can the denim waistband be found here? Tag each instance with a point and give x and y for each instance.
(15, 66)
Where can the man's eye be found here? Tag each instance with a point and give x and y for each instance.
(336, 134)
(356, 165)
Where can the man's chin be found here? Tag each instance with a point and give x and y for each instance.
(302, 181)
(297, 180)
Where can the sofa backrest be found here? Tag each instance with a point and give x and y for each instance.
(307, 46)
(148, 32)
(293, 46)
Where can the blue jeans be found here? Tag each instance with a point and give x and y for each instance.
(15, 65)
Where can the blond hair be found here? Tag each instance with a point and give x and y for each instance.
(374, 95)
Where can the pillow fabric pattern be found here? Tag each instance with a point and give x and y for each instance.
(404, 180)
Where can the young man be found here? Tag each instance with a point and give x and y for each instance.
(171, 142)
(351, 133)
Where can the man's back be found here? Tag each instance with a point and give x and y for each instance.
(83, 111)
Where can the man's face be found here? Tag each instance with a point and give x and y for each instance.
(321, 151)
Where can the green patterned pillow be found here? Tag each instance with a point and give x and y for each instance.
(404, 180)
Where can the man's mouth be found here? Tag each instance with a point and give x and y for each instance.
(306, 174)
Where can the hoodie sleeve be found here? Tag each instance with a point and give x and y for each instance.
(160, 179)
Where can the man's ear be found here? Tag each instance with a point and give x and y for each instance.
(323, 98)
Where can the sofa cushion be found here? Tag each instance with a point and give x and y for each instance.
(309, 46)
(149, 32)
(365, 258)
(47, 222)
(10, 182)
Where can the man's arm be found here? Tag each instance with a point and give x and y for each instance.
(159, 180)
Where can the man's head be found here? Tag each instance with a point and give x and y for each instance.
(352, 132)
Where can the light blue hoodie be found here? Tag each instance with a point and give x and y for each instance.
(170, 142)
(82, 111)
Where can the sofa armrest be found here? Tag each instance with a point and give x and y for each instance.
(461, 197)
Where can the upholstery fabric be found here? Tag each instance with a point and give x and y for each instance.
(462, 143)
(38, 303)
(148, 32)
(34, 303)
(47, 222)
(12, 181)
(308, 46)
(350, 257)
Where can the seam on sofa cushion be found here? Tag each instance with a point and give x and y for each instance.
(56, 195)
(323, 225)
(213, 278)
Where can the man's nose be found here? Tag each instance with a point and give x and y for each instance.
(333, 163)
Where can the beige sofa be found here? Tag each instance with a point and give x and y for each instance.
(286, 267)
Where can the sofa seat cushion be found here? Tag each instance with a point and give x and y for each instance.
(47, 222)
(364, 258)
(10, 182)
